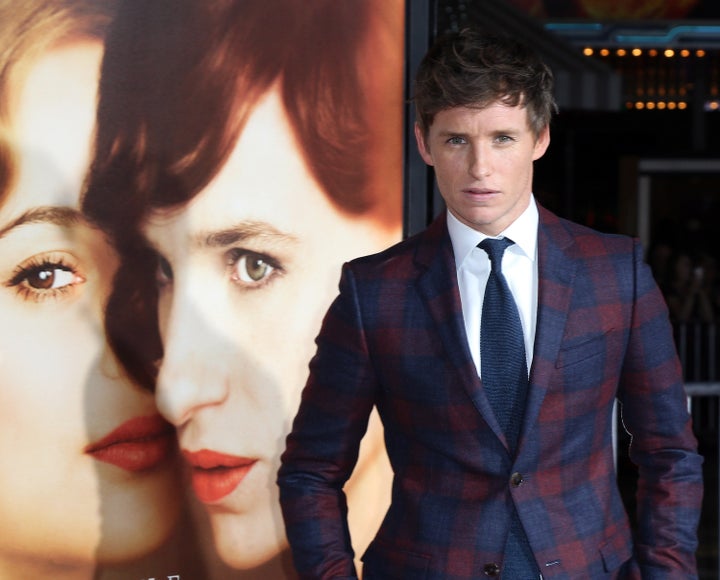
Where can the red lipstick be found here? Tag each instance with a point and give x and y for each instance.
(137, 445)
(215, 475)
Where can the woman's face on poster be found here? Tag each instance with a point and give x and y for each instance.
(246, 272)
(87, 473)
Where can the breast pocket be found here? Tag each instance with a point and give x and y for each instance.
(587, 368)
(585, 350)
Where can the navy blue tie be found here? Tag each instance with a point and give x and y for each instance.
(502, 346)
(503, 370)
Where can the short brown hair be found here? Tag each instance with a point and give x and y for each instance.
(473, 68)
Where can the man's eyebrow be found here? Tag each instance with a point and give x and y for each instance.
(53, 215)
(451, 133)
(464, 134)
(242, 231)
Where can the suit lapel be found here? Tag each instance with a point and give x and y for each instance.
(438, 286)
(556, 274)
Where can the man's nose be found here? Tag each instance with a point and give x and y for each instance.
(479, 162)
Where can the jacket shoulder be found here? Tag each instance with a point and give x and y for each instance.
(585, 240)
(402, 259)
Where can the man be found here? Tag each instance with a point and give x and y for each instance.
(496, 473)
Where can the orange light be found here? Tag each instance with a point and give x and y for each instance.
(672, 105)
(682, 105)
(604, 52)
(685, 53)
(661, 105)
(637, 52)
(621, 52)
(650, 105)
(669, 52)
(652, 52)
(588, 51)
(639, 105)
(700, 53)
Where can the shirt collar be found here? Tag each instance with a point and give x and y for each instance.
(523, 231)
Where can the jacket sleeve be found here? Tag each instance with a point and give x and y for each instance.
(322, 447)
(654, 411)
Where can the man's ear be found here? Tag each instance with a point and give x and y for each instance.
(541, 143)
(422, 145)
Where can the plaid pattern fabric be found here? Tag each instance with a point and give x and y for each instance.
(394, 338)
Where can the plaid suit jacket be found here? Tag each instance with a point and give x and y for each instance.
(394, 338)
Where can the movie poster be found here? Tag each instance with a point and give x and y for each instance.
(180, 183)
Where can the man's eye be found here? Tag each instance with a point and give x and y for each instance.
(456, 140)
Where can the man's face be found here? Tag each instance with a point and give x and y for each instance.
(483, 160)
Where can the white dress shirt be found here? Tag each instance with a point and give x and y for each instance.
(519, 266)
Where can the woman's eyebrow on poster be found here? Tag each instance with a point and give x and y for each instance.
(59, 216)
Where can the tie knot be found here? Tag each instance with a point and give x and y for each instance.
(495, 249)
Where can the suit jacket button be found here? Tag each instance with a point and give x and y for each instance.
(516, 479)
(492, 569)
